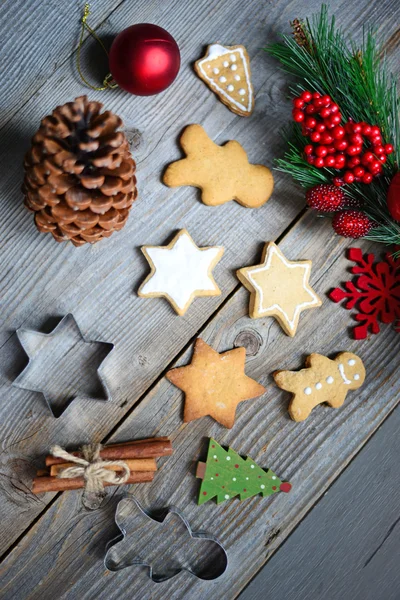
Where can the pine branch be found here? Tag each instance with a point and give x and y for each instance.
(357, 78)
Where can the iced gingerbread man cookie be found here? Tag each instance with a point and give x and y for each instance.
(279, 288)
(226, 70)
(323, 380)
(180, 271)
(223, 173)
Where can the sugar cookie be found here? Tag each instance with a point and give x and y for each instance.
(279, 288)
(226, 71)
(323, 380)
(214, 384)
(223, 173)
(180, 271)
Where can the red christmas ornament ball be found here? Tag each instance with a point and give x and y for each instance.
(325, 198)
(285, 487)
(351, 223)
(393, 197)
(144, 59)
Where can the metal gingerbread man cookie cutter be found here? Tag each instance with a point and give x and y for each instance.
(165, 544)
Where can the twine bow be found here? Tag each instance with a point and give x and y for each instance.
(92, 468)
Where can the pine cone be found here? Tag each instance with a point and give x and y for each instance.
(79, 174)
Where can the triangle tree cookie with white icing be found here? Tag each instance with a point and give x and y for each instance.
(180, 271)
(226, 70)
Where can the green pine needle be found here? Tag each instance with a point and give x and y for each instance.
(358, 80)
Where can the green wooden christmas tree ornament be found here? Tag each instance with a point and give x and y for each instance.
(226, 475)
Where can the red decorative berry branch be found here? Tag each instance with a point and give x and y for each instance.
(347, 106)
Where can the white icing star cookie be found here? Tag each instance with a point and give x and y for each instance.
(180, 271)
(279, 288)
(226, 70)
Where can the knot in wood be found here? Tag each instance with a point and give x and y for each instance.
(249, 339)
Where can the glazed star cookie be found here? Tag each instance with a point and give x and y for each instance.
(223, 173)
(214, 384)
(279, 288)
(323, 380)
(180, 271)
(226, 70)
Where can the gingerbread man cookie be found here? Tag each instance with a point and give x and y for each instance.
(323, 380)
(279, 288)
(214, 384)
(226, 70)
(223, 173)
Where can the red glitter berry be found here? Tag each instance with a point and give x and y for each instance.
(325, 198)
(352, 224)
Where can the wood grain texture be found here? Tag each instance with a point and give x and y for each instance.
(41, 280)
(98, 284)
(309, 454)
(353, 534)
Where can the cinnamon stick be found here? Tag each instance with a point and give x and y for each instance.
(134, 464)
(150, 448)
(55, 484)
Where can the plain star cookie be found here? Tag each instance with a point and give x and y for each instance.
(180, 271)
(223, 173)
(214, 384)
(226, 70)
(323, 380)
(279, 288)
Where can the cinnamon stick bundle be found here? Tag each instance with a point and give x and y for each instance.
(55, 484)
(149, 448)
(136, 465)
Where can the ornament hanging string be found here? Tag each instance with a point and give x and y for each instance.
(107, 82)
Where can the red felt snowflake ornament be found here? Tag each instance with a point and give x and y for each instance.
(375, 293)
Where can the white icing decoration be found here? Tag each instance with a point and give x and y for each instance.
(215, 456)
(306, 267)
(216, 71)
(351, 362)
(262, 486)
(230, 88)
(233, 67)
(237, 77)
(356, 377)
(318, 386)
(228, 458)
(181, 270)
(273, 477)
(242, 91)
(212, 478)
(233, 58)
(307, 391)
(247, 478)
(329, 379)
(251, 466)
(215, 51)
(225, 63)
(222, 79)
(233, 478)
(226, 497)
(343, 374)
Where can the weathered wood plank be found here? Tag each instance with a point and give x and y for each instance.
(98, 283)
(37, 40)
(347, 547)
(64, 549)
(71, 280)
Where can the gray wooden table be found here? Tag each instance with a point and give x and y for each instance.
(51, 546)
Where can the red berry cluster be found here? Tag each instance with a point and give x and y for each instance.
(336, 146)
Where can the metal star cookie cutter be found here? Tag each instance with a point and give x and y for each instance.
(165, 544)
(55, 349)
